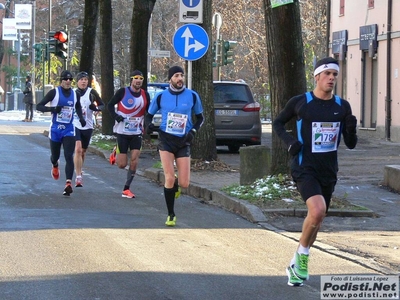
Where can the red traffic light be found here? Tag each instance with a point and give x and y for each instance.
(62, 36)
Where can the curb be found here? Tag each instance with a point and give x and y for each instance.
(241, 207)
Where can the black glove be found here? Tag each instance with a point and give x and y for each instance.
(82, 121)
(56, 109)
(189, 136)
(295, 148)
(119, 118)
(93, 107)
(150, 128)
(351, 124)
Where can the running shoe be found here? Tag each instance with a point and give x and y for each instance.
(171, 221)
(78, 181)
(293, 280)
(55, 173)
(67, 189)
(177, 188)
(301, 266)
(128, 194)
(113, 155)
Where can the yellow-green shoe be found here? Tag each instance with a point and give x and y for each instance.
(301, 266)
(293, 279)
(171, 221)
(177, 188)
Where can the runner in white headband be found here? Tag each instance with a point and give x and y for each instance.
(326, 64)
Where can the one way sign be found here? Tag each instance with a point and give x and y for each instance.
(191, 41)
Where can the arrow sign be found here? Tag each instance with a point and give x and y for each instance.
(191, 42)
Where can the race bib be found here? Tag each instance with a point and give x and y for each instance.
(132, 125)
(325, 136)
(65, 115)
(176, 123)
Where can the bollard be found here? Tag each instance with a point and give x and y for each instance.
(255, 163)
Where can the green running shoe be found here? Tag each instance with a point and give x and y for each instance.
(171, 221)
(301, 266)
(177, 188)
(293, 280)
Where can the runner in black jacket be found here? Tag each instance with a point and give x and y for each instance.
(322, 118)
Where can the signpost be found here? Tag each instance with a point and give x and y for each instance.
(191, 11)
(217, 22)
(159, 53)
(191, 43)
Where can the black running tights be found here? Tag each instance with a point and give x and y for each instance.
(68, 143)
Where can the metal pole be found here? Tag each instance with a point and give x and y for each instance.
(48, 37)
(217, 22)
(189, 74)
(150, 36)
(33, 51)
(19, 60)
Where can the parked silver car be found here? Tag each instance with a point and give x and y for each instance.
(237, 115)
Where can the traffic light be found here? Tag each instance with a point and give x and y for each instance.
(62, 44)
(227, 52)
(38, 52)
(216, 57)
(52, 44)
(58, 43)
(214, 62)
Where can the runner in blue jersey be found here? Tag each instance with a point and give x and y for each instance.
(322, 118)
(176, 133)
(63, 103)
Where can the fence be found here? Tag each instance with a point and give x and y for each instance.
(14, 101)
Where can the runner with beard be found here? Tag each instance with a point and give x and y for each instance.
(176, 133)
(131, 104)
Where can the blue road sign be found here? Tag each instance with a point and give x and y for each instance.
(191, 3)
(190, 41)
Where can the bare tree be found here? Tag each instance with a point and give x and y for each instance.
(204, 147)
(89, 36)
(286, 68)
(141, 15)
(106, 57)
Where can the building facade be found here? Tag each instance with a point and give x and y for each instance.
(365, 38)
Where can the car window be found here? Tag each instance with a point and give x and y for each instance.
(231, 93)
(154, 88)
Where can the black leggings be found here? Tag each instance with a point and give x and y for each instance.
(29, 111)
(68, 143)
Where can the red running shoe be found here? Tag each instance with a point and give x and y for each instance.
(55, 173)
(113, 155)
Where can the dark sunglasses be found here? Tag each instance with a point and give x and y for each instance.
(138, 77)
(66, 79)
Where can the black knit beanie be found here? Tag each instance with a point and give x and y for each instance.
(173, 70)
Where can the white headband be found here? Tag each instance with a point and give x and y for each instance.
(326, 67)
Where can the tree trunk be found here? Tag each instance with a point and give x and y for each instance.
(106, 58)
(89, 36)
(142, 10)
(286, 69)
(204, 146)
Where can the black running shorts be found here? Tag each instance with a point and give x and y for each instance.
(84, 136)
(309, 184)
(173, 144)
(131, 142)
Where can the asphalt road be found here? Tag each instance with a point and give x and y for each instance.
(97, 245)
